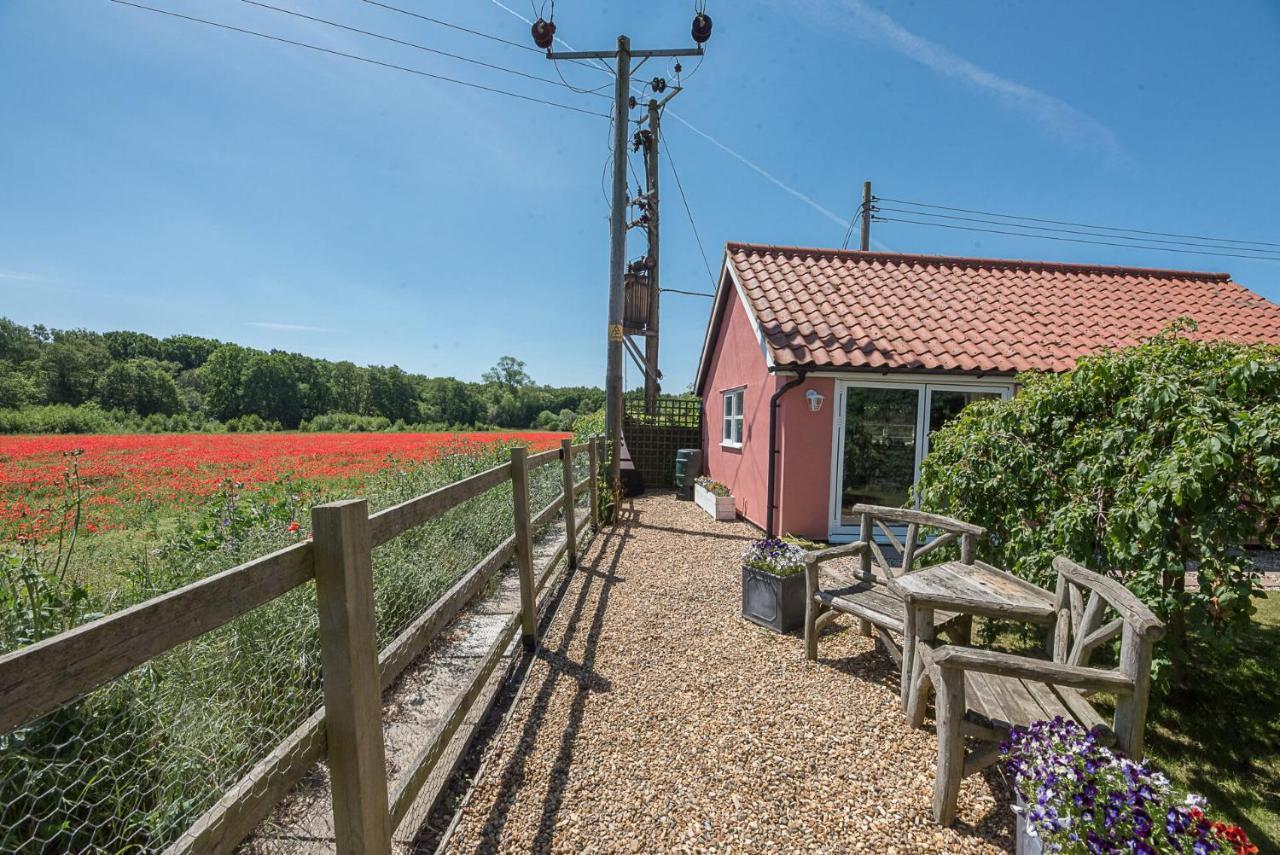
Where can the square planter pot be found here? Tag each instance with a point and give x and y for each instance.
(719, 507)
(776, 602)
(1025, 843)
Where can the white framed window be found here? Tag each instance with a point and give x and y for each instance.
(731, 432)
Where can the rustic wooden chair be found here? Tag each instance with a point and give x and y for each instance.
(984, 693)
(873, 598)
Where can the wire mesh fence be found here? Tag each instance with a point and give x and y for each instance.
(128, 767)
(131, 765)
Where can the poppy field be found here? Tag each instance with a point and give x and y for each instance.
(126, 478)
(93, 524)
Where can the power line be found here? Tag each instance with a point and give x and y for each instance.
(415, 45)
(452, 26)
(1080, 225)
(690, 293)
(680, 186)
(358, 58)
(1182, 244)
(1072, 240)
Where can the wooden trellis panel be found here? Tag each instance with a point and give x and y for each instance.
(653, 440)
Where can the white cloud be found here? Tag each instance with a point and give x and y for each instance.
(22, 276)
(283, 327)
(1056, 116)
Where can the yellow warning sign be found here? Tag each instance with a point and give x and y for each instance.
(615, 332)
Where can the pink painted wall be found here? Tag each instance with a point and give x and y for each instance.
(804, 437)
(736, 360)
(804, 466)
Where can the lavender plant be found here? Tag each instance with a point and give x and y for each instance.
(774, 555)
(1079, 797)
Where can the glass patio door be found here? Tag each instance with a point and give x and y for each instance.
(881, 434)
(878, 459)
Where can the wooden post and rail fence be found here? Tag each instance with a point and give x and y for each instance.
(347, 731)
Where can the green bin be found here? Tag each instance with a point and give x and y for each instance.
(688, 468)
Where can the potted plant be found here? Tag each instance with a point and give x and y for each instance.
(1074, 795)
(714, 498)
(773, 584)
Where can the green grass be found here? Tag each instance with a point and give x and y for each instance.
(1221, 737)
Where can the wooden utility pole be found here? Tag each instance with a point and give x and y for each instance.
(618, 231)
(866, 216)
(651, 334)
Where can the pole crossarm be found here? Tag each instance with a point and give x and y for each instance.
(610, 54)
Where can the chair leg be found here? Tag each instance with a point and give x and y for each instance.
(919, 699)
(810, 613)
(950, 709)
(907, 678)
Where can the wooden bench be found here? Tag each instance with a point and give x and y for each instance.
(873, 598)
(984, 693)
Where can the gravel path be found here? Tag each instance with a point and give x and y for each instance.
(656, 719)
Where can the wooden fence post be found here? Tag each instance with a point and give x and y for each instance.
(594, 492)
(352, 693)
(570, 506)
(524, 545)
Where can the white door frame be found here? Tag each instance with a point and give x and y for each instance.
(837, 532)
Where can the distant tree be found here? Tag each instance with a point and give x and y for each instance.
(391, 393)
(221, 376)
(450, 401)
(70, 365)
(270, 389)
(17, 343)
(349, 386)
(507, 409)
(123, 344)
(17, 389)
(315, 386)
(143, 386)
(189, 351)
(509, 374)
(191, 390)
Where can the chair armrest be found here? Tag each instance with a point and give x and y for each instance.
(821, 555)
(1008, 665)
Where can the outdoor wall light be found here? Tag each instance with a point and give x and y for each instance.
(815, 400)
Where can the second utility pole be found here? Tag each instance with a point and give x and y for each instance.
(866, 215)
(618, 235)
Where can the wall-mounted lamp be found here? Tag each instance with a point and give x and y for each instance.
(815, 400)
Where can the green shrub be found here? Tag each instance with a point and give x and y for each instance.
(588, 425)
(1143, 463)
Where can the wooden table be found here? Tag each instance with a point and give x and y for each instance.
(972, 589)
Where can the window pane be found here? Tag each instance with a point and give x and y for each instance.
(945, 405)
(879, 447)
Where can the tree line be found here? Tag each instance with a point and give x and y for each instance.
(186, 380)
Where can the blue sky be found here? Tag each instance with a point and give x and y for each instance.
(168, 177)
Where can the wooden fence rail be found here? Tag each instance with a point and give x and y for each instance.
(39, 679)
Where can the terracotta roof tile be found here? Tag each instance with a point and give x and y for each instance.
(849, 309)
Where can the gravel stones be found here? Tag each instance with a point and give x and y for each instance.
(657, 719)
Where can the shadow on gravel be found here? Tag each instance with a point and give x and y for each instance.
(599, 575)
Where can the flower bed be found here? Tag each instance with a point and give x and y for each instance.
(1077, 796)
(714, 498)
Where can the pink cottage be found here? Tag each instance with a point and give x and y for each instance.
(812, 351)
